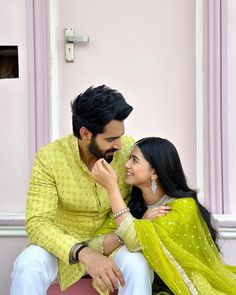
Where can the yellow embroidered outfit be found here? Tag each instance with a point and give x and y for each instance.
(181, 251)
(64, 205)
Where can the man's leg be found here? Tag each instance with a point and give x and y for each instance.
(137, 273)
(34, 271)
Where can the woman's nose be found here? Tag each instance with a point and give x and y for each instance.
(127, 164)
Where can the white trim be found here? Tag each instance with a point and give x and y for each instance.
(228, 233)
(199, 100)
(10, 218)
(225, 217)
(12, 231)
(54, 71)
(19, 231)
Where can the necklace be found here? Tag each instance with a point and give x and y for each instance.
(162, 201)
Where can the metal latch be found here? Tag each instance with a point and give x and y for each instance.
(70, 40)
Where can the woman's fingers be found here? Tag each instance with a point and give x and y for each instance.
(156, 212)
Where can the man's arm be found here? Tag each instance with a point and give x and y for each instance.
(41, 208)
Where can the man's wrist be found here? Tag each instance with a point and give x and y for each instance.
(82, 246)
(73, 256)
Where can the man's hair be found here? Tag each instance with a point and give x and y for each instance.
(97, 107)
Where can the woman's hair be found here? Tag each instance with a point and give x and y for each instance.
(97, 107)
(162, 155)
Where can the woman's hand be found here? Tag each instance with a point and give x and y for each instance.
(104, 174)
(154, 212)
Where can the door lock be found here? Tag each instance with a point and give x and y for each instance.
(70, 40)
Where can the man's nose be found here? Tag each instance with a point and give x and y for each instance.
(117, 144)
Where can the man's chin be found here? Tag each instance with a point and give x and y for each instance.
(109, 158)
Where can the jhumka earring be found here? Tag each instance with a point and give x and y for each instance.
(154, 186)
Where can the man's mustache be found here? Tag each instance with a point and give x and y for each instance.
(111, 151)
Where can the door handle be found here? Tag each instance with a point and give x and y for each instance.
(70, 40)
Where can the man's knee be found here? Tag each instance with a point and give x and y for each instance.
(35, 262)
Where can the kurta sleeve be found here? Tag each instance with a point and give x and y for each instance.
(42, 202)
(127, 233)
(96, 243)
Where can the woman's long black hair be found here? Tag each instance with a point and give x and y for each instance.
(162, 155)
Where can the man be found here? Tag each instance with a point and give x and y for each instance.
(65, 206)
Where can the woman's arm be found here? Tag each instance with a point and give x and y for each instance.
(104, 174)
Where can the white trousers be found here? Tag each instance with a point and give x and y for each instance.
(35, 270)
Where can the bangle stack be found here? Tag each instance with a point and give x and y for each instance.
(119, 213)
(119, 240)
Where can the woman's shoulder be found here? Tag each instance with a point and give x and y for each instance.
(184, 203)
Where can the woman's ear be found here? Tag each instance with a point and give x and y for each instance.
(85, 133)
(154, 175)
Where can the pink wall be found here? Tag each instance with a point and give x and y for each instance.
(231, 104)
(145, 51)
(14, 168)
(164, 100)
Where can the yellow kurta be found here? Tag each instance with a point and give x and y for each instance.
(64, 205)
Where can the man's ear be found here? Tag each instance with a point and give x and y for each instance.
(85, 134)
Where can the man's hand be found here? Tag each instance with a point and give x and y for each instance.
(104, 271)
(154, 212)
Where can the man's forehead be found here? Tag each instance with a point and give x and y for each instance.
(114, 129)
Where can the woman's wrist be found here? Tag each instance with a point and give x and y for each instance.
(113, 189)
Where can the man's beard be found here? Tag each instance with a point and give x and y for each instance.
(95, 150)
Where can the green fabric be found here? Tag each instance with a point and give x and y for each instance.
(179, 246)
(182, 253)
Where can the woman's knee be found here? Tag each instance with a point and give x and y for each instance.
(134, 260)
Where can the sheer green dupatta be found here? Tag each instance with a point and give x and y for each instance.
(179, 248)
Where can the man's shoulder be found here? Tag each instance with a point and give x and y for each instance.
(56, 146)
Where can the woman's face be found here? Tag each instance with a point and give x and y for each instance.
(138, 170)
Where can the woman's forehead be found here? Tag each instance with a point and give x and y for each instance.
(136, 151)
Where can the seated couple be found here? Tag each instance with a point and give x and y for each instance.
(164, 234)
(166, 222)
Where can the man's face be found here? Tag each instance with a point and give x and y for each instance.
(105, 144)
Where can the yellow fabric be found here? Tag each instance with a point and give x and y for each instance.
(181, 251)
(64, 206)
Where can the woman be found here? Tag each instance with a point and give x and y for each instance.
(165, 221)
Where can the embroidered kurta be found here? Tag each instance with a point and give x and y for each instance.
(64, 205)
(180, 249)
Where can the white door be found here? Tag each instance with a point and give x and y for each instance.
(145, 50)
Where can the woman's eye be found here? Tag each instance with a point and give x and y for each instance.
(134, 160)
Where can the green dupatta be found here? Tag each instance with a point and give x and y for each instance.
(181, 251)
